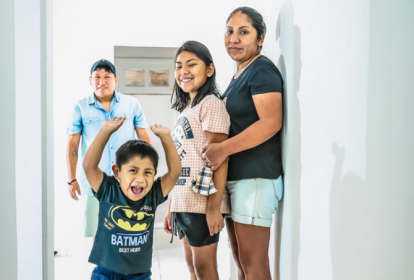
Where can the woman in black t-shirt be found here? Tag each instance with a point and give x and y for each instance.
(254, 103)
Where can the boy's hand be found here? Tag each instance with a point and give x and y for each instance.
(113, 124)
(215, 221)
(159, 130)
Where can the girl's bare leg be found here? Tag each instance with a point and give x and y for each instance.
(205, 262)
(189, 258)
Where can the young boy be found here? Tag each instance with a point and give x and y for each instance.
(127, 202)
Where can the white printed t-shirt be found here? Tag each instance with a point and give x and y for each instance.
(189, 139)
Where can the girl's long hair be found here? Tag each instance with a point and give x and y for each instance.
(179, 98)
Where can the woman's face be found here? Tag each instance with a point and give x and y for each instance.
(191, 73)
(241, 38)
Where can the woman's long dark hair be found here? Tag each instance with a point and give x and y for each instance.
(179, 98)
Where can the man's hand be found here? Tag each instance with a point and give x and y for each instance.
(73, 188)
(215, 221)
(113, 124)
(160, 131)
(167, 223)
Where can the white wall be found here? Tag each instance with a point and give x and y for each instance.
(347, 211)
(85, 31)
(8, 234)
(27, 244)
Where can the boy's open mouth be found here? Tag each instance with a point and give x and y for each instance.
(137, 190)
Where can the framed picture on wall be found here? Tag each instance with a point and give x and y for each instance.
(145, 75)
(134, 78)
(159, 78)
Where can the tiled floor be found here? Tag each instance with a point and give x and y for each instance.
(167, 263)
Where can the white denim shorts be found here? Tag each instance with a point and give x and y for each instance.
(253, 201)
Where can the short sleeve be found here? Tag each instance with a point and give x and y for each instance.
(75, 121)
(213, 115)
(158, 195)
(139, 117)
(105, 189)
(266, 80)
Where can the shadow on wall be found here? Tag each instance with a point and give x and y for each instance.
(372, 220)
(348, 221)
(290, 65)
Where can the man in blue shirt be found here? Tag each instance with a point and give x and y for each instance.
(86, 121)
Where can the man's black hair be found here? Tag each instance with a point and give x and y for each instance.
(133, 148)
(106, 68)
(104, 64)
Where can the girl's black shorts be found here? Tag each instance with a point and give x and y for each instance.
(194, 227)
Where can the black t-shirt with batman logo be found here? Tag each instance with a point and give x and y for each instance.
(123, 241)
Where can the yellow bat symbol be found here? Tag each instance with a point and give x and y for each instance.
(130, 214)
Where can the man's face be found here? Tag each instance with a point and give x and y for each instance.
(103, 83)
(136, 177)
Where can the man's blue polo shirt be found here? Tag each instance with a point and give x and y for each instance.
(88, 115)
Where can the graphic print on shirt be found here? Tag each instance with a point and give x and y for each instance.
(134, 222)
(182, 131)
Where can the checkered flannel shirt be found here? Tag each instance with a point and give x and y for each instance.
(203, 183)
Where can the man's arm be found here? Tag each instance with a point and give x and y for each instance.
(93, 155)
(143, 134)
(71, 161)
(214, 217)
(173, 159)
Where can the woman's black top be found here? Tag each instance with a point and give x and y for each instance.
(265, 160)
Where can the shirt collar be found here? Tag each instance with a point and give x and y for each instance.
(117, 96)
(92, 98)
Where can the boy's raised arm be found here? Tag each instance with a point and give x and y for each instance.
(173, 160)
(94, 153)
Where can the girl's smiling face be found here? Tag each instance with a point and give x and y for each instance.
(191, 72)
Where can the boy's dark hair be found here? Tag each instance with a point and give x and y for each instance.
(180, 98)
(133, 148)
(255, 19)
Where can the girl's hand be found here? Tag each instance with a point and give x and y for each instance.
(113, 124)
(159, 130)
(167, 222)
(215, 221)
(214, 155)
